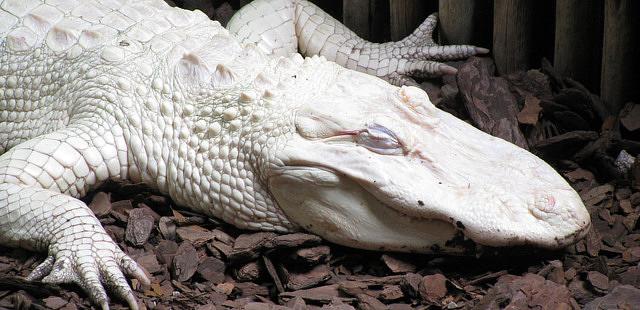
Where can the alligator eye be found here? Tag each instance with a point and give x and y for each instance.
(379, 139)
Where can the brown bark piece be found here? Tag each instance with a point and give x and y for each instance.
(410, 284)
(251, 271)
(366, 302)
(433, 287)
(55, 302)
(313, 277)
(165, 251)
(621, 297)
(295, 240)
(599, 281)
(491, 105)
(185, 263)
(139, 227)
(631, 117)
(248, 246)
(391, 293)
(149, 262)
(194, 234)
(101, 204)
(312, 256)
(211, 269)
(531, 112)
(528, 291)
(396, 264)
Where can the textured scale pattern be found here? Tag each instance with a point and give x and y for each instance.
(282, 27)
(99, 90)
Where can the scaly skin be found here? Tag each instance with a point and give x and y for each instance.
(283, 27)
(143, 92)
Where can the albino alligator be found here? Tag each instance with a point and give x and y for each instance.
(113, 90)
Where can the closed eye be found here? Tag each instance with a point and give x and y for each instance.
(379, 139)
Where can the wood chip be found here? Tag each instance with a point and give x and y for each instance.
(309, 278)
(149, 262)
(598, 194)
(166, 251)
(167, 228)
(312, 256)
(366, 302)
(212, 270)
(525, 292)
(631, 255)
(530, 113)
(271, 270)
(195, 234)
(621, 297)
(489, 102)
(391, 293)
(397, 264)
(599, 281)
(433, 287)
(579, 175)
(322, 295)
(101, 204)
(630, 117)
(249, 289)
(54, 302)
(225, 288)
(248, 246)
(251, 271)
(185, 262)
(410, 284)
(139, 227)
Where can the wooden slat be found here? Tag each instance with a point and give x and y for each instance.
(405, 16)
(356, 16)
(620, 64)
(578, 41)
(456, 21)
(379, 21)
(512, 34)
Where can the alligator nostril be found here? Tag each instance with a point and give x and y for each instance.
(545, 203)
(551, 202)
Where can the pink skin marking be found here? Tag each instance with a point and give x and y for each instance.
(551, 202)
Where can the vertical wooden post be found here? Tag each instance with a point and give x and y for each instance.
(355, 15)
(405, 16)
(620, 64)
(578, 41)
(512, 34)
(379, 21)
(456, 21)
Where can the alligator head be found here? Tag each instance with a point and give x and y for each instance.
(375, 166)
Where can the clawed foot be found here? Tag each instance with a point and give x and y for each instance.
(93, 262)
(419, 56)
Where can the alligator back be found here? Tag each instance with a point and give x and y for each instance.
(48, 47)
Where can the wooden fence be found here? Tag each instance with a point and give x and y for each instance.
(595, 42)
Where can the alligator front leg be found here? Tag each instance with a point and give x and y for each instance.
(37, 213)
(282, 27)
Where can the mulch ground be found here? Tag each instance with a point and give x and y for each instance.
(200, 263)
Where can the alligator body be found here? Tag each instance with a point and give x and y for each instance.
(136, 90)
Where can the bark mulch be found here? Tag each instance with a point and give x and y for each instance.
(200, 263)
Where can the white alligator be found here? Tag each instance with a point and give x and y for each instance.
(92, 91)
